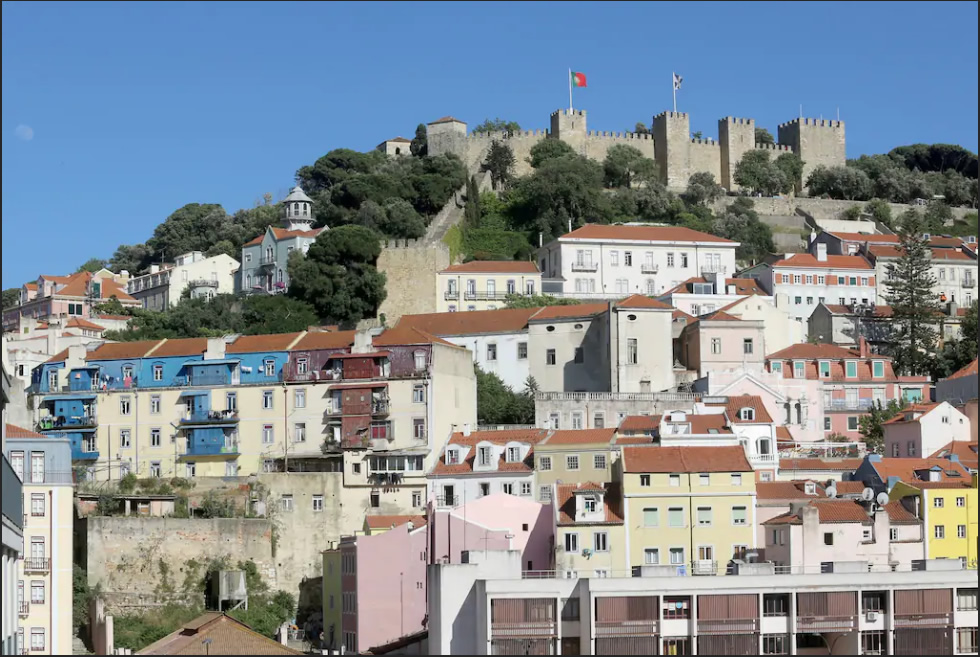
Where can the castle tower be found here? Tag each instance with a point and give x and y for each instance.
(297, 210)
(737, 137)
(447, 135)
(672, 143)
(816, 141)
(570, 127)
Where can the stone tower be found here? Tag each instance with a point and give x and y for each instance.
(447, 135)
(737, 137)
(816, 141)
(570, 127)
(672, 141)
(297, 210)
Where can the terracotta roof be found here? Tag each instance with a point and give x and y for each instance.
(13, 431)
(446, 119)
(326, 340)
(507, 320)
(30, 286)
(408, 335)
(581, 310)
(634, 423)
(849, 487)
(787, 490)
(720, 316)
(640, 301)
(830, 465)
(735, 404)
(821, 351)
(389, 522)
(899, 515)
(685, 459)
(966, 452)
(906, 469)
(784, 434)
(282, 234)
(122, 350)
(643, 234)
(181, 347)
(744, 286)
(680, 314)
(113, 289)
(828, 512)
(937, 254)
(612, 501)
(259, 343)
(912, 414)
(58, 357)
(969, 370)
(633, 440)
(495, 267)
(580, 437)
(216, 634)
(401, 140)
(526, 436)
(702, 424)
(78, 322)
(807, 261)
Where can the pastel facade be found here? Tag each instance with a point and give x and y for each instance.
(11, 531)
(703, 295)
(163, 287)
(780, 330)
(575, 457)
(485, 285)
(67, 297)
(614, 262)
(44, 575)
(721, 342)
(954, 271)
(591, 535)
(922, 429)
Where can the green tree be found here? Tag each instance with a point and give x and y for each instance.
(498, 404)
(791, 167)
(937, 157)
(740, 222)
(909, 291)
(937, 215)
(224, 247)
(472, 210)
(500, 163)
(561, 190)
(879, 211)
(957, 354)
(401, 220)
(337, 166)
(92, 265)
(756, 173)
(133, 258)
(626, 165)
(498, 125)
(420, 143)
(371, 215)
(264, 314)
(641, 129)
(763, 136)
(697, 135)
(702, 189)
(194, 227)
(538, 301)
(871, 423)
(11, 298)
(548, 149)
(847, 183)
(338, 276)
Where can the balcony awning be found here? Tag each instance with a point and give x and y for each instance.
(80, 395)
(366, 384)
(194, 393)
(373, 354)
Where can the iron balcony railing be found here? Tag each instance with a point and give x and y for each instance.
(648, 268)
(379, 407)
(13, 499)
(585, 266)
(447, 502)
(931, 619)
(714, 269)
(267, 260)
(37, 564)
(209, 417)
(48, 477)
(25, 609)
(483, 295)
(968, 282)
(850, 404)
(67, 423)
(452, 295)
(203, 380)
(203, 282)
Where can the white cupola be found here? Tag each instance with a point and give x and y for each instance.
(297, 210)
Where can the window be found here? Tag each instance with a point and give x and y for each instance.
(508, 489)
(715, 346)
(286, 503)
(628, 258)
(747, 414)
(675, 517)
(418, 428)
(966, 600)
(491, 351)
(966, 639)
(554, 420)
(748, 346)
(828, 538)
(853, 423)
(736, 479)
(893, 534)
(938, 502)
(684, 261)
(645, 481)
(578, 419)
(375, 499)
(268, 434)
(317, 503)
(651, 517)
(37, 639)
(775, 605)
(231, 401)
(269, 367)
(299, 398)
(418, 394)
(599, 420)
(154, 437)
(155, 405)
(526, 488)
(571, 462)
(267, 399)
(704, 480)
(775, 644)
(878, 369)
(155, 469)
(798, 301)
(677, 556)
(910, 448)
(961, 502)
(299, 432)
(739, 515)
(776, 367)
(37, 505)
(614, 258)
(571, 543)
(852, 369)
(799, 370)
(125, 436)
(675, 481)
(961, 531)
(545, 494)
(158, 372)
(544, 463)
(601, 542)
(419, 361)
(302, 365)
(651, 557)
(485, 455)
(704, 516)
(190, 469)
(670, 259)
(632, 351)
(513, 454)
(125, 406)
(599, 461)
(416, 499)
(571, 610)
(521, 351)
(550, 357)
(579, 355)
(824, 369)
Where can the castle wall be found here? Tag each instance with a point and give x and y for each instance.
(817, 142)
(672, 134)
(521, 143)
(597, 144)
(411, 267)
(737, 137)
(705, 155)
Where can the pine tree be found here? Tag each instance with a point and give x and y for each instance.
(910, 293)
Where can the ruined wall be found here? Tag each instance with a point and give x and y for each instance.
(411, 267)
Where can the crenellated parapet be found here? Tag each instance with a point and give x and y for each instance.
(776, 148)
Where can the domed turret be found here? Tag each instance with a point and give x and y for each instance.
(297, 210)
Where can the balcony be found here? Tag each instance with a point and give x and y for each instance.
(447, 502)
(484, 295)
(24, 609)
(229, 449)
(649, 268)
(850, 405)
(936, 619)
(714, 269)
(764, 459)
(728, 626)
(48, 477)
(293, 374)
(202, 380)
(36, 565)
(84, 454)
(380, 407)
(968, 283)
(68, 423)
(268, 261)
(451, 295)
(203, 282)
(210, 417)
(585, 266)
(704, 568)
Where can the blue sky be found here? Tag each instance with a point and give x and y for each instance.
(116, 114)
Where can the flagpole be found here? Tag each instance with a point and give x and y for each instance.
(673, 85)
(569, 91)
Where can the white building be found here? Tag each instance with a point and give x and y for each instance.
(485, 284)
(704, 295)
(780, 329)
(164, 286)
(485, 606)
(37, 341)
(955, 272)
(613, 262)
(922, 429)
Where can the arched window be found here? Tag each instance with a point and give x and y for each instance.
(279, 276)
(248, 281)
(763, 446)
(306, 207)
(747, 414)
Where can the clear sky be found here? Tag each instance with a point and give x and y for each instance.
(116, 114)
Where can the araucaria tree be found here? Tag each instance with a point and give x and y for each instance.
(910, 294)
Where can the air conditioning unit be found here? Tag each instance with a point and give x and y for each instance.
(871, 617)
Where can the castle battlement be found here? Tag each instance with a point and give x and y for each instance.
(738, 121)
(671, 115)
(782, 148)
(819, 123)
(704, 142)
(563, 112)
(521, 134)
(402, 243)
(599, 134)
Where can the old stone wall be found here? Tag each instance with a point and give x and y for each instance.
(822, 210)
(818, 142)
(705, 155)
(411, 267)
(521, 143)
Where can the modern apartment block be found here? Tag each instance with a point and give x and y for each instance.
(485, 607)
(614, 262)
(164, 285)
(44, 574)
(485, 284)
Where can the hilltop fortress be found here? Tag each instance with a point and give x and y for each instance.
(678, 156)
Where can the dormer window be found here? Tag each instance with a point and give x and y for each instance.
(158, 372)
(513, 454)
(269, 366)
(825, 369)
(485, 455)
(591, 504)
(452, 457)
(419, 361)
(302, 365)
(810, 488)
(878, 369)
(851, 368)
(747, 414)
(127, 371)
(799, 370)
(776, 367)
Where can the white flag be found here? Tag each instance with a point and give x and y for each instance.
(677, 82)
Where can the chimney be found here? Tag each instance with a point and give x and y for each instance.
(466, 430)
(363, 342)
(821, 252)
(215, 349)
(863, 346)
(569, 225)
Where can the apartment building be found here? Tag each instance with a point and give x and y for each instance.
(485, 284)
(12, 528)
(67, 297)
(703, 295)
(264, 262)
(845, 243)
(954, 271)
(164, 285)
(720, 342)
(688, 507)
(614, 262)
(922, 429)
(846, 325)
(780, 330)
(591, 535)
(485, 606)
(851, 381)
(44, 574)
(575, 456)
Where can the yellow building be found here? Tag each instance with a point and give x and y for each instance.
(949, 515)
(590, 536)
(574, 457)
(690, 507)
(484, 284)
(333, 591)
(44, 575)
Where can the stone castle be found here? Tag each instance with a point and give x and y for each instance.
(678, 156)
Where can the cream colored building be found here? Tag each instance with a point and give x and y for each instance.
(590, 538)
(779, 329)
(44, 574)
(485, 284)
(574, 457)
(163, 287)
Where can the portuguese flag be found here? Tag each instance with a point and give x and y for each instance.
(578, 79)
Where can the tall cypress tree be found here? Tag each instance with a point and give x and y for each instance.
(471, 212)
(910, 292)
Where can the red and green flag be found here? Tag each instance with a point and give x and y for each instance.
(578, 79)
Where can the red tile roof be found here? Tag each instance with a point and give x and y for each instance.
(612, 501)
(703, 424)
(580, 437)
(260, 343)
(906, 469)
(315, 340)
(685, 459)
(744, 286)
(720, 316)
(78, 322)
(494, 267)
(283, 234)
(408, 335)
(736, 404)
(969, 370)
(828, 512)
(390, 522)
(507, 320)
(640, 301)
(807, 261)
(912, 414)
(121, 350)
(829, 465)
(639, 423)
(526, 436)
(899, 515)
(784, 434)
(581, 310)
(966, 452)
(13, 431)
(871, 239)
(786, 490)
(181, 347)
(643, 234)
(937, 254)
(446, 119)
(821, 351)
(216, 634)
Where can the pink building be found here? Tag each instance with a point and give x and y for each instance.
(721, 342)
(68, 296)
(852, 380)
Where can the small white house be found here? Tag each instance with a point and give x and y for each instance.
(922, 429)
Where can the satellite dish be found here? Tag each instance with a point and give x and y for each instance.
(868, 494)
(831, 491)
(882, 499)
